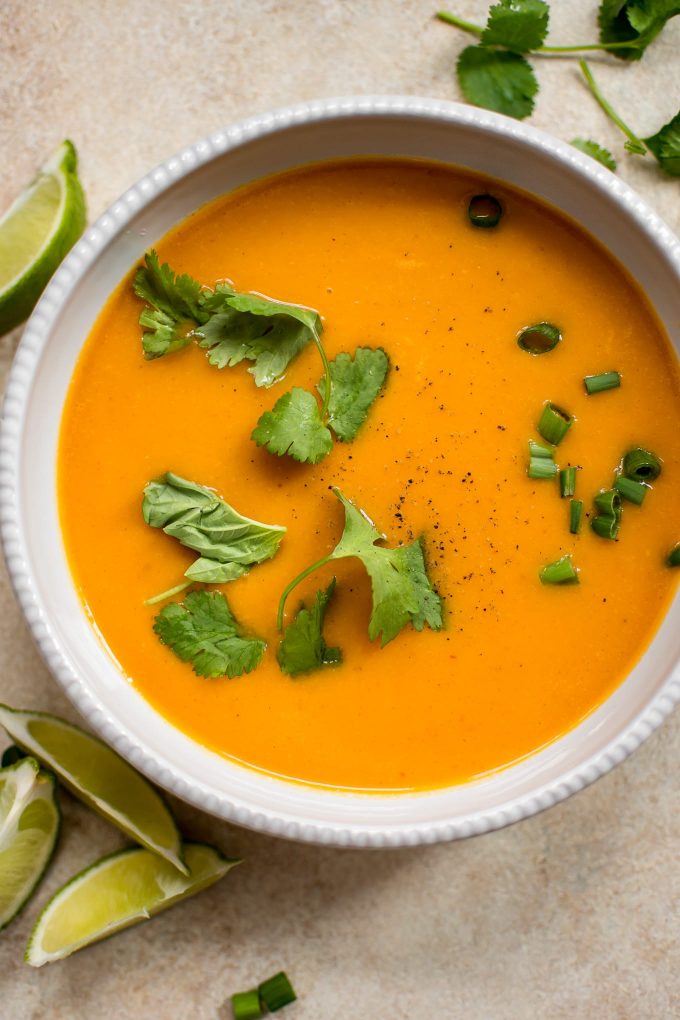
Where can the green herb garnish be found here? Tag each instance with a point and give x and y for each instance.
(228, 543)
(633, 24)
(484, 211)
(176, 307)
(276, 992)
(554, 423)
(673, 558)
(294, 427)
(246, 1005)
(641, 465)
(303, 647)
(202, 630)
(568, 481)
(595, 151)
(602, 382)
(631, 490)
(497, 80)
(561, 571)
(575, 514)
(402, 592)
(540, 338)
(355, 384)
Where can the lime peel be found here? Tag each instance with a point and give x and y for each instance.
(29, 828)
(100, 778)
(116, 892)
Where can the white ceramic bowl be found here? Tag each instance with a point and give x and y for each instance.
(39, 380)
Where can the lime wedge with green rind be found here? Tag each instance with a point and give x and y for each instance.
(36, 232)
(100, 778)
(29, 827)
(116, 892)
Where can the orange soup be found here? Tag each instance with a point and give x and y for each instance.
(385, 251)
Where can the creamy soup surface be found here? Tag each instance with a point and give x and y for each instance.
(386, 253)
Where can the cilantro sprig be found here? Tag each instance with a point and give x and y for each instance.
(203, 630)
(228, 543)
(401, 590)
(303, 647)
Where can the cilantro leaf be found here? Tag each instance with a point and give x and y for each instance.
(519, 25)
(303, 648)
(665, 146)
(248, 327)
(355, 384)
(203, 631)
(402, 591)
(498, 80)
(176, 307)
(635, 21)
(597, 152)
(294, 426)
(228, 542)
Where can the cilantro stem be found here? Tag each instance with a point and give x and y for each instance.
(634, 144)
(469, 26)
(167, 594)
(294, 583)
(326, 375)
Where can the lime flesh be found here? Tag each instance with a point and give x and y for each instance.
(36, 232)
(116, 892)
(29, 827)
(100, 778)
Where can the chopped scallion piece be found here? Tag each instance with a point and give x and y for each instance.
(554, 423)
(606, 525)
(560, 572)
(276, 992)
(673, 560)
(631, 490)
(568, 481)
(608, 503)
(484, 211)
(539, 450)
(641, 465)
(541, 467)
(539, 338)
(246, 1005)
(599, 383)
(575, 512)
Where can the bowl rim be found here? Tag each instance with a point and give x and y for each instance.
(27, 358)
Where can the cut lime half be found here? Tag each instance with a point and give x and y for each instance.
(36, 232)
(100, 777)
(118, 891)
(29, 826)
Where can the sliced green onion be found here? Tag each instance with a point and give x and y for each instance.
(539, 338)
(631, 490)
(568, 481)
(575, 512)
(484, 211)
(246, 1005)
(599, 383)
(554, 423)
(673, 560)
(11, 755)
(606, 525)
(641, 465)
(608, 503)
(276, 992)
(541, 467)
(539, 450)
(560, 572)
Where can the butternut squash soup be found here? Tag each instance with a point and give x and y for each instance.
(523, 569)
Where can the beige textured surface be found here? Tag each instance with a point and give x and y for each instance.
(574, 914)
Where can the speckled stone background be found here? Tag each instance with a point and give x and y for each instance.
(573, 915)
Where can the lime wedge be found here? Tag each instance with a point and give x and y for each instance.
(36, 232)
(96, 774)
(118, 891)
(29, 826)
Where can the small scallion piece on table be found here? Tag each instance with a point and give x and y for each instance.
(484, 211)
(608, 503)
(575, 514)
(554, 423)
(641, 465)
(246, 1005)
(568, 481)
(276, 992)
(540, 338)
(631, 490)
(673, 558)
(606, 525)
(599, 383)
(562, 571)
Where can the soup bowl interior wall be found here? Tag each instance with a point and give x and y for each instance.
(40, 377)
